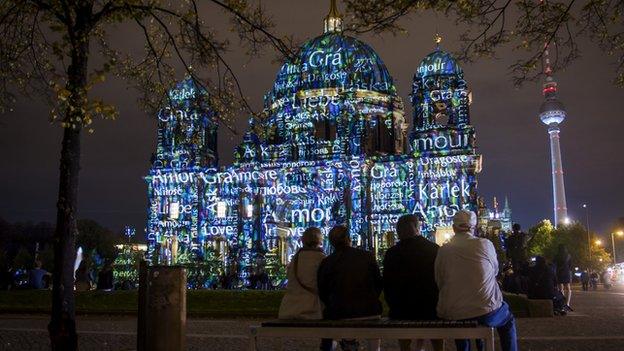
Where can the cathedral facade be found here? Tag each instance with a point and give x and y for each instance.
(332, 146)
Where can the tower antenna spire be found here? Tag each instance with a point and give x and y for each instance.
(333, 20)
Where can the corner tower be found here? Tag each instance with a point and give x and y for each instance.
(552, 113)
(441, 99)
(187, 129)
(442, 141)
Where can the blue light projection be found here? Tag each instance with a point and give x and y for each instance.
(330, 148)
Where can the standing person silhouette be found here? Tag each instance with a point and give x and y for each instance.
(563, 261)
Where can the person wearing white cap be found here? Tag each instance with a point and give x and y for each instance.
(465, 272)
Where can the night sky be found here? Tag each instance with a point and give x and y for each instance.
(510, 136)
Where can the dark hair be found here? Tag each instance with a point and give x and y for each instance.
(311, 237)
(407, 226)
(339, 237)
(516, 227)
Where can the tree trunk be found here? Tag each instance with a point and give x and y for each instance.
(62, 327)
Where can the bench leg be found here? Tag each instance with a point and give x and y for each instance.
(489, 341)
(253, 340)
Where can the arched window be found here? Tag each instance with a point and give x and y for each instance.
(325, 129)
(380, 136)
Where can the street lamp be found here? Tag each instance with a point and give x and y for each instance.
(618, 233)
(598, 242)
(586, 207)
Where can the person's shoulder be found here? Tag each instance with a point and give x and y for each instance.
(362, 253)
(355, 250)
(485, 242)
(392, 250)
(427, 243)
(327, 259)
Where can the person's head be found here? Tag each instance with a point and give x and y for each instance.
(311, 237)
(464, 222)
(38, 264)
(407, 227)
(339, 237)
(516, 227)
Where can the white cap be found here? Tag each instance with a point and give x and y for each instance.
(465, 221)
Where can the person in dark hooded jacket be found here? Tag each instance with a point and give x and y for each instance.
(409, 280)
(349, 284)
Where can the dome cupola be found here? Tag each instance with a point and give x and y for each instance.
(335, 97)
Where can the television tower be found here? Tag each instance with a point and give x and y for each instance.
(552, 113)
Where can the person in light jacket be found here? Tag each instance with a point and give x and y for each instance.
(465, 272)
(301, 300)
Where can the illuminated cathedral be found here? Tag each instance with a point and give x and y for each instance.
(332, 146)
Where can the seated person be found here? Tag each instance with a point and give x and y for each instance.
(542, 285)
(465, 271)
(349, 284)
(541, 280)
(36, 276)
(301, 300)
(409, 283)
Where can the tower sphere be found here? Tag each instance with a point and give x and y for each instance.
(551, 111)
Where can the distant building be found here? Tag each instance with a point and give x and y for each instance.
(493, 219)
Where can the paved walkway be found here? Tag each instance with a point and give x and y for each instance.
(596, 325)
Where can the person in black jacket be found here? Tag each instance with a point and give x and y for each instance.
(349, 283)
(542, 282)
(409, 282)
(105, 277)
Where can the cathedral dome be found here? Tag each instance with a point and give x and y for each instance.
(333, 81)
(438, 62)
(333, 61)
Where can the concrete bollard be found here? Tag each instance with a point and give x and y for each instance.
(162, 308)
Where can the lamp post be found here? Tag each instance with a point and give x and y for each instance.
(586, 207)
(618, 233)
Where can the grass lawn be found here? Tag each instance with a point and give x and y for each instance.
(200, 303)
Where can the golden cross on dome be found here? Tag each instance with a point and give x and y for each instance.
(438, 39)
(333, 21)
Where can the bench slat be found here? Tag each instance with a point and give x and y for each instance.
(380, 323)
(380, 331)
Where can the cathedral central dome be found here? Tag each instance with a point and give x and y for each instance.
(332, 61)
(334, 98)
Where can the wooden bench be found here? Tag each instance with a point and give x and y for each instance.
(371, 329)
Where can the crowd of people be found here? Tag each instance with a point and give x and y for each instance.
(86, 278)
(421, 281)
(542, 279)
